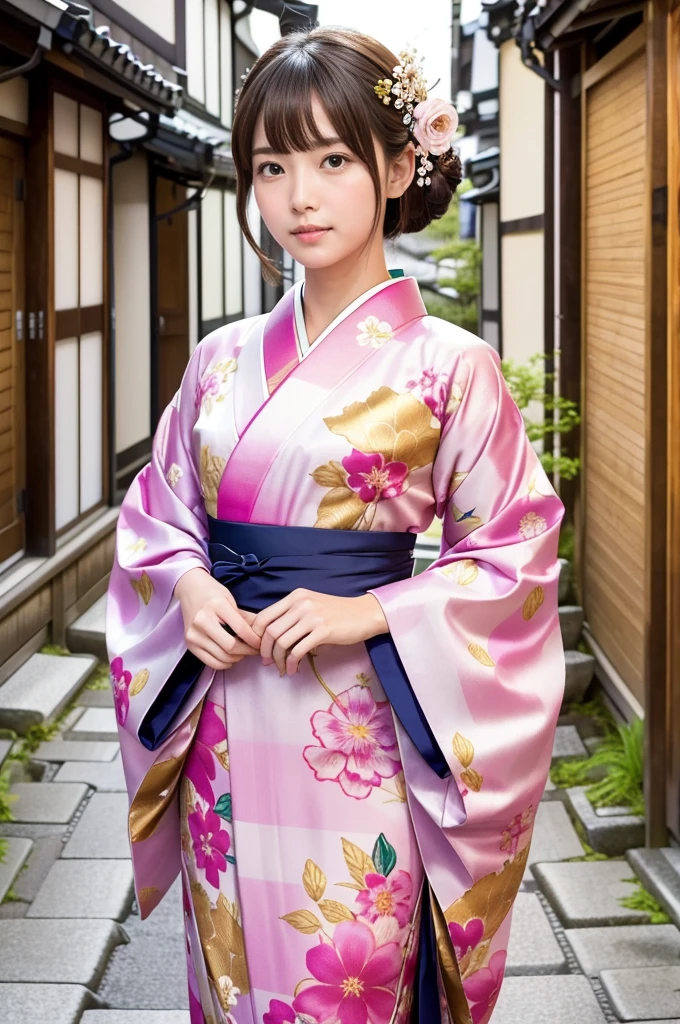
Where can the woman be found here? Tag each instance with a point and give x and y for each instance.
(342, 760)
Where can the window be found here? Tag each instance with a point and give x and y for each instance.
(209, 56)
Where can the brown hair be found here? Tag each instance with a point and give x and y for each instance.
(341, 66)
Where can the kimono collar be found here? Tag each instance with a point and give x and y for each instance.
(304, 345)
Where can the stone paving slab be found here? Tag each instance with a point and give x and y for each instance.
(43, 855)
(102, 830)
(580, 668)
(16, 852)
(38, 691)
(554, 836)
(610, 834)
(644, 994)
(150, 972)
(56, 1004)
(559, 999)
(136, 1017)
(661, 876)
(47, 802)
(96, 698)
(85, 889)
(627, 946)
(533, 948)
(586, 894)
(76, 750)
(88, 631)
(107, 778)
(95, 724)
(571, 624)
(68, 952)
(568, 744)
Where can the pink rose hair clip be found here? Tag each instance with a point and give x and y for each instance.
(432, 122)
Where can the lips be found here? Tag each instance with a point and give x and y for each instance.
(308, 229)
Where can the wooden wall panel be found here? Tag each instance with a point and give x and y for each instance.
(614, 371)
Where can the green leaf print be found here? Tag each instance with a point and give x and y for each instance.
(384, 856)
(223, 806)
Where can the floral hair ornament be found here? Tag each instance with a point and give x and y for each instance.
(432, 122)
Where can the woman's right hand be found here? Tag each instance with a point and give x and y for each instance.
(206, 604)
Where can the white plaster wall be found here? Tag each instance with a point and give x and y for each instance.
(522, 136)
(132, 294)
(159, 15)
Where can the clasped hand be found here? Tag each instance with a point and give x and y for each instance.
(282, 634)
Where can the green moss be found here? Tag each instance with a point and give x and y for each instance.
(100, 678)
(6, 798)
(565, 548)
(11, 897)
(566, 773)
(54, 649)
(642, 900)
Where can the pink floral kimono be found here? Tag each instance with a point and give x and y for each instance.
(310, 831)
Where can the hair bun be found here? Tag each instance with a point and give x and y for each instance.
(425, 203)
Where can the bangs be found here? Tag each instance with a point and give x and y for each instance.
(286, 109)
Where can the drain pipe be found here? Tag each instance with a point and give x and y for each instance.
(44, 43)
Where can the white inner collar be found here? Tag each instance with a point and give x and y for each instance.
(303, 340)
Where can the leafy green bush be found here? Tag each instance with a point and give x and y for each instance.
(621, 756)
(465, 276)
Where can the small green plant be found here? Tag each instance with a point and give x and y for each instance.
(621, 754)
(466, 259)
(529, 382)
(3, 850)
(566, 773)
(565, 547)
(595, 708)
(6, 798)
(589, 854)
(642, 900)
(54, 649)
(100, 679)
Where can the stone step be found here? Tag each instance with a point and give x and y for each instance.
(5, 747)
(47, 802)
(586, 894)
(565, 580)
(87, 634)
(554, 836)
(580, 669)
(104, 777)
(612, 834)
(625, 947)
(568, 744)
(40, 690)
(533, 948)
(56, 1004)
(571, 624)
(659, 872)
(560, 999)
(650, 992)
(102, 831)
(73, 952)
(95, 724)
(135, 1017)
(16, 851)
(85, 889)
(76, 750)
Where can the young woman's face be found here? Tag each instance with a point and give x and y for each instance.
(327, 187)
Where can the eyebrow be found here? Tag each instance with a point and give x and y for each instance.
(333, 141)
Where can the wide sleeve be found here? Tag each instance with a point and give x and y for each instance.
(161, 533)
(479, 638)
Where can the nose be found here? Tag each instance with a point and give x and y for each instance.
(303, 193)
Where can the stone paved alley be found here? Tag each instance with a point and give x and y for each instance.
(72, 946)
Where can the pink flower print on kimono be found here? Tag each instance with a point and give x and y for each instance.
(359, 746)
(520, 824)
(432, 389)
(386, 897)
(120, 680)
(482, 988)
(354, 975)
(372, 478)
(210, 743)
(211, 844)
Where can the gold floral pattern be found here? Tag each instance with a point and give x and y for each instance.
(374, 332)
(391, 435)
(531, 525)
(143, 586)
(174, 474)
(214, 384)
(222, 942)
(465, 752)
(211, 470)
(463, 572)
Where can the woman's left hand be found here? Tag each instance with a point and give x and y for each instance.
(294, 626)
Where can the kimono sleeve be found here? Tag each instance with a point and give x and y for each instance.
(479, 638)
(161, 534)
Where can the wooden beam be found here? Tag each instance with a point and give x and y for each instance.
(630, 46)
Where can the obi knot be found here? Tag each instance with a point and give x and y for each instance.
(230, 566)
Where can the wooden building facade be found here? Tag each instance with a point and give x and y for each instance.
(610, 74)
(119, 250)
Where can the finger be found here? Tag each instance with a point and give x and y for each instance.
(210, 653)
(270, 614)
(307, 645)
(276, 629)
(286, 641)
(232, 617)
